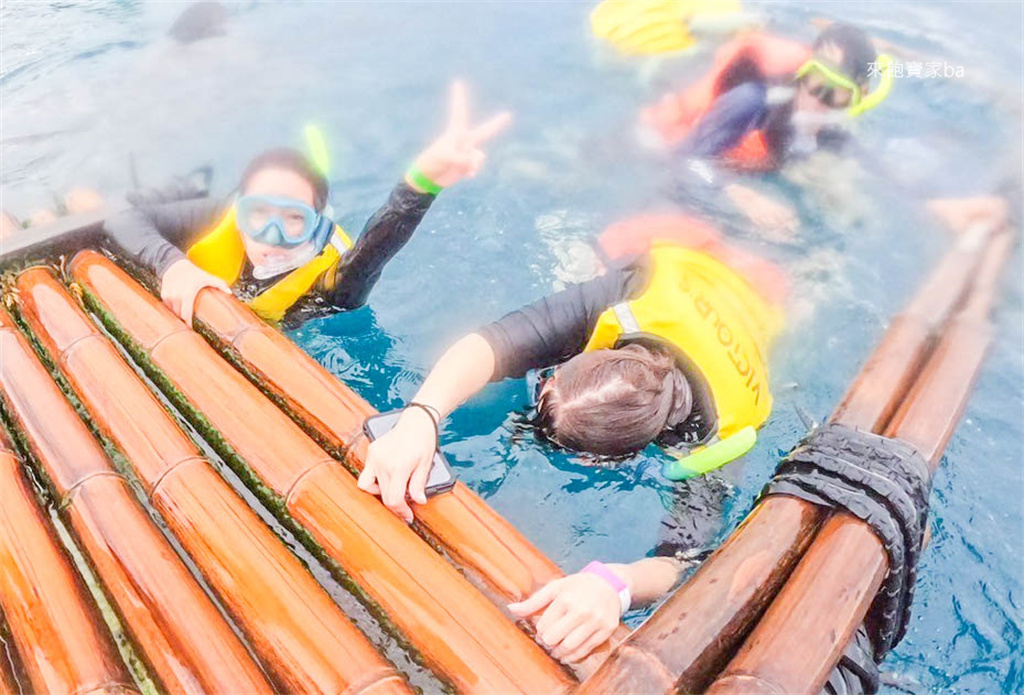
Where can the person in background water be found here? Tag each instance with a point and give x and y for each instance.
(76, 201)
(669, 346)
(765, 100)
(275, 243)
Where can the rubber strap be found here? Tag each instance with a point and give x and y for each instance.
(422, 181)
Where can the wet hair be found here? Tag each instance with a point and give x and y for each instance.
(291, 160)
(858, 51)
(614, 402)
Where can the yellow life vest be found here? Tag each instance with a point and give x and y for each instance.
(716, 320)
(221, 252)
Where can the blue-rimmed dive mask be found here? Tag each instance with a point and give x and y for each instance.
(298, 232)
(536, 380)
(277, 221)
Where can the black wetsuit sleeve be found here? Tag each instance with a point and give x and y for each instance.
(731, 116)
(383, 236)
(553, 329)
(158, 235)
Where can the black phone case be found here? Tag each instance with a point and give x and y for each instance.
(442, 478)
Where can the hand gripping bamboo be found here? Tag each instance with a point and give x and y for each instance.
(472, 534)
(693, 635)
(301, 637)
(459, 632)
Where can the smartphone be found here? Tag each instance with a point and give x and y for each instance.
(441, 477)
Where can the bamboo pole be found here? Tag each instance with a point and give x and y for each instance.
(8, 653)
(458, 631)
(301, 637)
(56, 629)
(470, 531)
(185, 641)
(478, 539)
(803, 634)
(872, 398)
(8, 681)
(692, 636)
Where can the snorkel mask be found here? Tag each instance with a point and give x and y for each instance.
(859, 103)
(536, 380)
(285, 223)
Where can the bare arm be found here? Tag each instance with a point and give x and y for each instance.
(539, 335)
(404, 455)
(463, 370)
(579, 612)
(776, 220)
(649, 579)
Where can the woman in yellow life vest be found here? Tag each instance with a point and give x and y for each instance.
(669, 345)
(275, 243)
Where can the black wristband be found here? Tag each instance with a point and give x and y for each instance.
(433, 414)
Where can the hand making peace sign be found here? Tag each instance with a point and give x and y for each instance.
(457, 154)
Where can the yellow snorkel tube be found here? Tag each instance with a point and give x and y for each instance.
(859, 102)
(879, 93)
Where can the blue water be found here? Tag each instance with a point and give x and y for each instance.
(87, 87)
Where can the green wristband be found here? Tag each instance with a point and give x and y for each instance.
(422, 181)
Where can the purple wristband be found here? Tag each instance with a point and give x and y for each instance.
(602, 571)
(620, 587)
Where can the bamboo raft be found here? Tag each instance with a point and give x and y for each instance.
(130, 564)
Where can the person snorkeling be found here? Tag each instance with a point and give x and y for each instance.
(668, 346)
(765, 100)
(275, 242)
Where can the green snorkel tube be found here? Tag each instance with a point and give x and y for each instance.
(316, 148)
(860, 102)
(708, 458)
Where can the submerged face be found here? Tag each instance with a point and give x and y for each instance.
(276, 182)
(612, 402)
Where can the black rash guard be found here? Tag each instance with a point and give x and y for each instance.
(557, 327)
(554, 329)
(157, 236)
